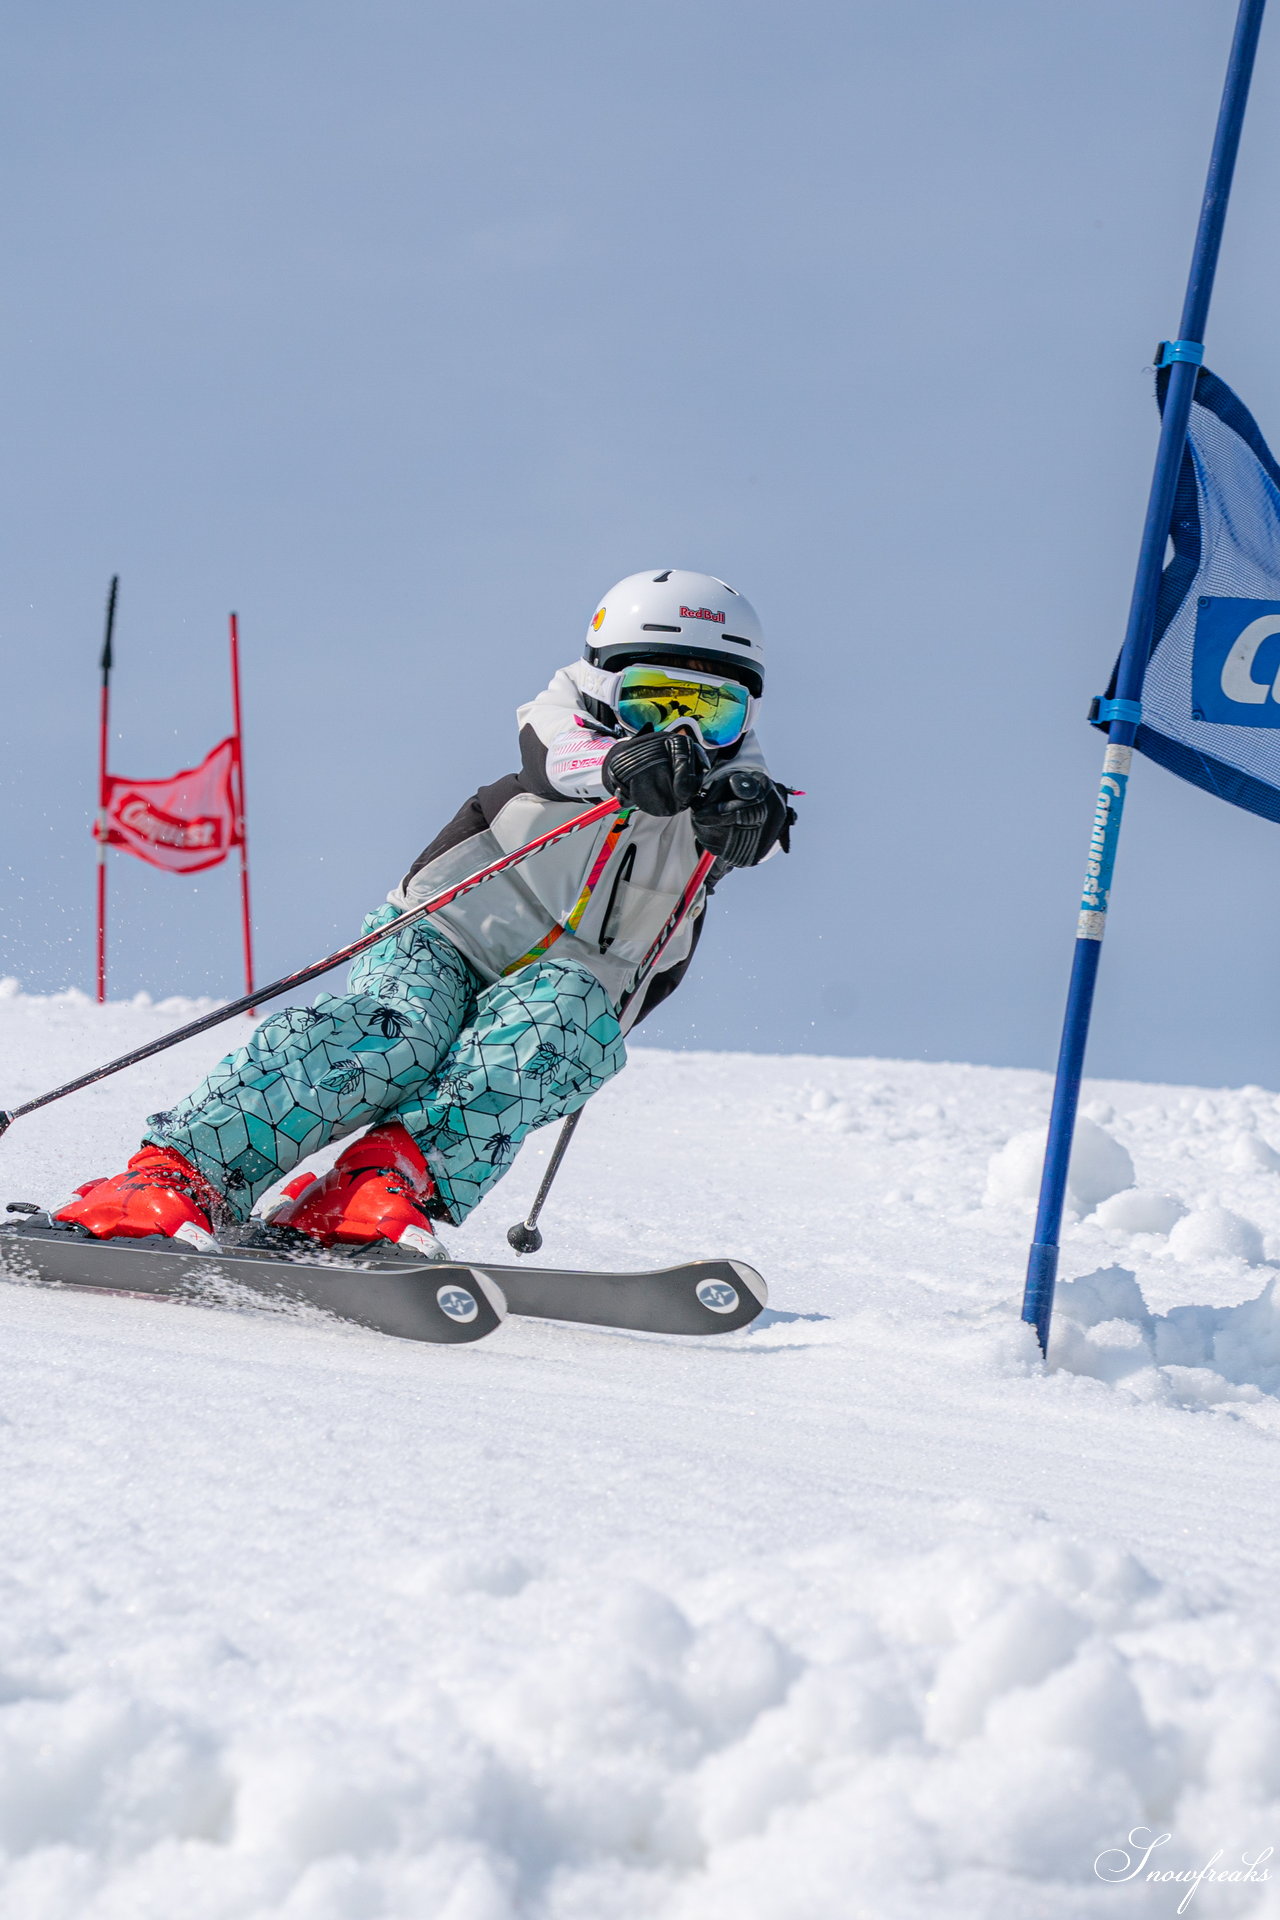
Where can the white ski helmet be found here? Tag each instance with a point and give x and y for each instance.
(682, 617)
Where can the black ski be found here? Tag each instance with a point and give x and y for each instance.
(702, 1296)
(445, 1301)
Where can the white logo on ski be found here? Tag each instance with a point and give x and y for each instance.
(718, 1296)
(457, 1303)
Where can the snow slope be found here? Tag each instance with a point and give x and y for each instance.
(859, 1613)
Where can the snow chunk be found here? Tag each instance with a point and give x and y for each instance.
(1102, 1327)
(1017, 1645)
(1014, 1172)
(1112, 1293)
(1239, 1344)
(1192, 1356)
(1213, 1233)
(76, 1770)
(1140, 1210)
(1100, 1166)
(1249, 1153)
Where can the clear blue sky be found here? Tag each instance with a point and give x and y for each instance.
(406, 329)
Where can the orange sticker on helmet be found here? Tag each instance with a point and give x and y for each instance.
(598, 622)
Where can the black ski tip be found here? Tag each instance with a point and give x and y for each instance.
(523, 1238)
(751, 1283)
(700, 1297)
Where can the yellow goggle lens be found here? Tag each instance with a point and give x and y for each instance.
(650, 697)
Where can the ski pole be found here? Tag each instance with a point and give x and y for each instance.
(524, 1236)
(247, 1002)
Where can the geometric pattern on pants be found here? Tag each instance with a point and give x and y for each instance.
(469, 1070)
(535, 1048)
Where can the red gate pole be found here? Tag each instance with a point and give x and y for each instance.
(104, 714)
(242, 831)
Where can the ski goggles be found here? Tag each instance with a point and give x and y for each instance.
(652, 697)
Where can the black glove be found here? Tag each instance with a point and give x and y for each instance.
(741, 815)
(658, 772)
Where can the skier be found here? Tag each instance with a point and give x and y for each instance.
(499, 1013)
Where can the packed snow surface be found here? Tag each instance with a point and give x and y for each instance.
(861, 1612)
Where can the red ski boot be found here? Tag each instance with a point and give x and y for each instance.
(158, 1192)
(376, 1189)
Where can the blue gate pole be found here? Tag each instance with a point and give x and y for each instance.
(1183, 357)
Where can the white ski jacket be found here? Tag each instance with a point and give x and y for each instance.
(564, 736)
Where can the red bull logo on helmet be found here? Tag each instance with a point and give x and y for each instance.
(701, 613)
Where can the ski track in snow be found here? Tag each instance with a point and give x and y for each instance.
(860, 1612)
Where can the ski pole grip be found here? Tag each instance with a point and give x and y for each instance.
(748, 785)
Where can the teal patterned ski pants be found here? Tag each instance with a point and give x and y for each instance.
(468, 1069)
